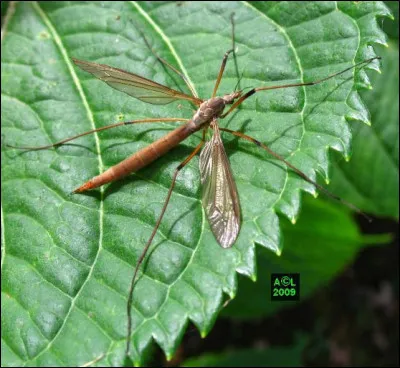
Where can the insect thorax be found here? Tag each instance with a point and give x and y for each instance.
(209, 110)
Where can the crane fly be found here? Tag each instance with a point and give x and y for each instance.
(220, 197)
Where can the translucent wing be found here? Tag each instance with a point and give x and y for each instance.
(134, 85)
(220, 197)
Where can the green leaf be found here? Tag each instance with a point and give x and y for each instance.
(324, 240)
(275, 356)
(371, 179)
(391, 26)
(67, 259)
(4, 6)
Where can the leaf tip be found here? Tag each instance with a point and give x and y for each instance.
(203, 334)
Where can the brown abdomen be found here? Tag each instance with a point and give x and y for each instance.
(141, 158)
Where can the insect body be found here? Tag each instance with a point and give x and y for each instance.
(208, 110)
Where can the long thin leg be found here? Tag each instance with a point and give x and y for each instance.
(254, 90)
(147, 246)
(234, 50)
(224, 60)
(221, 72)
(151, 120)
(296, 170)
(163, 61)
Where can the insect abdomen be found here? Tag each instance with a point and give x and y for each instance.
(141, 158)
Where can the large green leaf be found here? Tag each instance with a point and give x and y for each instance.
(67, 260)
(371, 179)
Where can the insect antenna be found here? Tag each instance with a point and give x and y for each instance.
(244, 97)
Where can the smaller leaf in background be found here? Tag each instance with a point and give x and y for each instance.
(270, 357)
(4, 6)
(324, 240)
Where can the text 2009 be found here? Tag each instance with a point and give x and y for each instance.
(284, 292)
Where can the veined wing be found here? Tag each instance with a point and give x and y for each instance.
(220, 197)
(141, 88)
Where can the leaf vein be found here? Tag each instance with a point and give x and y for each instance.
(165, 39)
(76, 81)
